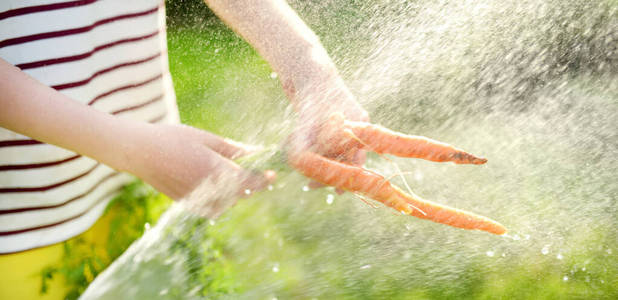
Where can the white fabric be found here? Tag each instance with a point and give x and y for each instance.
(16, 208)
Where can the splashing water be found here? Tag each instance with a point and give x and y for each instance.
(532, 85)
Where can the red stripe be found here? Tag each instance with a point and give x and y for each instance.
(125, 87)
(65, 59)
(38, 165)
(46, 7)
(96, 74)
(4, 233)
(153, 100)
(47, 187)
(96, 185)
(54, 34)
(159, 118)
(19, 143)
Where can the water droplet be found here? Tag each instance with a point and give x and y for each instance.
(273, 75)
(559, 256)
(545, 250)
(217, 50)
(584, 269)
(194, 291)
(270, 187)
(490, 253)
(305, 188)
(329, 199)
(247, 191)
(168, 261)
(276, 268)
(565, 278)
(503, 255)
(418, 175)
(365, 267)
(211, 222)
(147, 226)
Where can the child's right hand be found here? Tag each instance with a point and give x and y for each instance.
(175, 159)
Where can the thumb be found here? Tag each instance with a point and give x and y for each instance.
(226, 147)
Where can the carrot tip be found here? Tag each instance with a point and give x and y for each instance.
(479, 161)
(501, 232)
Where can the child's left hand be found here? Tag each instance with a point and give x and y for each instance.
(316, 103)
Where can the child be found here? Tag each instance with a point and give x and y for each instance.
(91, 78)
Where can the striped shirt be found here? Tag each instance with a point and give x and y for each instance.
(109, 54)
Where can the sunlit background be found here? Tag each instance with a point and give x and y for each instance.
(531, 85)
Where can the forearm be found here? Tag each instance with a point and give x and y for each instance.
(281, 37)
(35, 110)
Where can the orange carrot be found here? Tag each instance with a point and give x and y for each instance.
(382, 140)
(368, 183)
(385, 141)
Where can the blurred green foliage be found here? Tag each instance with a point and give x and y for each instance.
(136, 207)
(216, 76)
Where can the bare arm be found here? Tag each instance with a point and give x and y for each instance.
(308, 75)
(281, 37)
(172, 158)
(40, 112)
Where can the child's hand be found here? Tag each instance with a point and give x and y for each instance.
(319, 130)
(175, 159)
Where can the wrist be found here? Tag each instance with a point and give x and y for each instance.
(311, 71)
(133, 146)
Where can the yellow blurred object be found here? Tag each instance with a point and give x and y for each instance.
(21, 273)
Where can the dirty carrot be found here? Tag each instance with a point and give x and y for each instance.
(368, 183)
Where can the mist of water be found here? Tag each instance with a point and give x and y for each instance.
(530, 85)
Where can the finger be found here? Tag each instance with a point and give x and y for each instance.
(228, 148)
(359, 158)
(252, 181)
(333, 140)
(217, 207)
(219, 192)
(315, 185)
